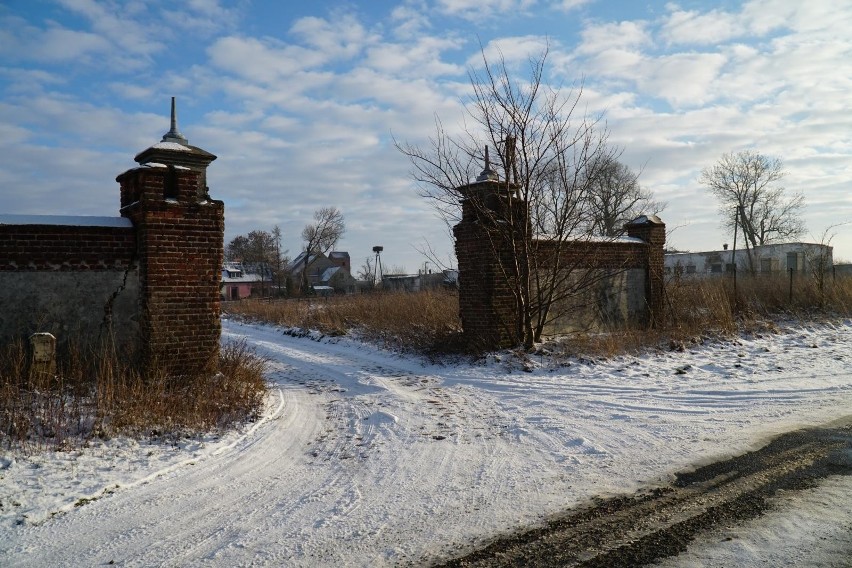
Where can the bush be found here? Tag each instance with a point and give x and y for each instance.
(96, 392)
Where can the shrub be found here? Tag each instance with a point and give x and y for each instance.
(97, 392)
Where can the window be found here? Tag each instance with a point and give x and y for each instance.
(170, 184)
(716, 268)
(690, 269)
(792, 261)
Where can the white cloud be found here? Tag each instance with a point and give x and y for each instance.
(410, 20)
(697, 28)
(420, 58)
(262, 60)
(304, 119)
(514, 50)
(625, 35)
(568, 5)
(344, 37)
(112, 21)
(480, 10)
(683, 79)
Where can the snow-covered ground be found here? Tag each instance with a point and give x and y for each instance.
(366, 458)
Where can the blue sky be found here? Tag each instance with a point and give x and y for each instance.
(300, 101)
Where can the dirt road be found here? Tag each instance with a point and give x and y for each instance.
(634, 531)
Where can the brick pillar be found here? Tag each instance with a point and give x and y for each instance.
(180, 248)
(653, 231)
(487, 305)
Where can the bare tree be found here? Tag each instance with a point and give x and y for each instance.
(367, 272)
(281, 260)
(820, 260)
(321, 236)
(750, 199)
(548, 156)
(615, 198)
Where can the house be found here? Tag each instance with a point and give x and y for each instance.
(333, 270)
(237, 283)
(421, 281)
(765, 259)
(341, 259)
(314, 267)
(338, 279)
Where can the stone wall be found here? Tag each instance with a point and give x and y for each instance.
(72, 281)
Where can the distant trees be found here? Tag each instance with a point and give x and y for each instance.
(549, 158)
(746, 185)
(615, 198)
(260, 251)
(321, 236)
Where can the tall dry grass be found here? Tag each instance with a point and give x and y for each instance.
(97, 392)
(698, 308)
(423, 321)
(695, 308)
(721, 304)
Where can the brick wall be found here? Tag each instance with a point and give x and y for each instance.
(58, 247)
(617, 269)
(151, 280)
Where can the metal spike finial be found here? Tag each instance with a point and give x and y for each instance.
(487, 173)
(174, 135)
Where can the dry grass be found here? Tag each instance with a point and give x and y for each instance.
(95, 392)
(701, 308)
(695, 309)
(714, 303)
(423, 321)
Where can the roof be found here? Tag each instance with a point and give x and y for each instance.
(244, 279)
(298, 263)
(770, 246)
(65, 220)
(329, 273)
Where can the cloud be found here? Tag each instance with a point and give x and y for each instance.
(479, 10)
(410, 20)
(307, 118)
(341, 38)
(619, 36)
(694, 27)
(515, 51)
(262, 60)
(568, 5)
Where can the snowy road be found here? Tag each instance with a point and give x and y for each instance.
(364, 458)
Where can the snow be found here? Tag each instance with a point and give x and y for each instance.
(367, 458)
(171, 146)
(65, 220)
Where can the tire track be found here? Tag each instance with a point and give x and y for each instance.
(637, 530)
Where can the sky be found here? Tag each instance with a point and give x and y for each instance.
(302, 102)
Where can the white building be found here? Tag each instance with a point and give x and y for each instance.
(766, 259)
